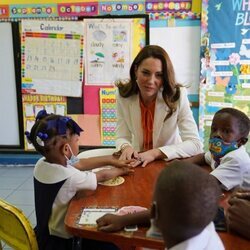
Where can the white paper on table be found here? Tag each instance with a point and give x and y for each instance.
(90, 215)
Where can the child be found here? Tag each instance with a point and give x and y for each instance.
(183, 209)
(227, 155)
(56, 180)
(237, 214)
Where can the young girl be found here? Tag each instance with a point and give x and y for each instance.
(56, 180)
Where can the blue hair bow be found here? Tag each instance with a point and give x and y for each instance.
(61, 123)
(41, 114)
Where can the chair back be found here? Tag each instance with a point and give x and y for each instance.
(15, 229)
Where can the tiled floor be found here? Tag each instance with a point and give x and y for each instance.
(16, 187)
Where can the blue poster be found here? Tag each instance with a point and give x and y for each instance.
(225, 59)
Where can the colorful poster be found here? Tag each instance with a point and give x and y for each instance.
(108, 116)
(4, 11)
(225, 69)
(91, 93)
(117, 7)
(153, 6)
(52, 57)
(33, 10)
(78, 9)
(32, 104)
(108, 50)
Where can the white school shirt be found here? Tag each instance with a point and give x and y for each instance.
(233, 170)
(208, 239)
(50, 173)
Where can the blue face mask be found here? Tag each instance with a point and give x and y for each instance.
(73, 159)
(219, 148)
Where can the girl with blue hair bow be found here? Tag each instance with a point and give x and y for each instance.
(57, 177)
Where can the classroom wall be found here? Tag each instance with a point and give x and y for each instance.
(176, 31)
(9, 126)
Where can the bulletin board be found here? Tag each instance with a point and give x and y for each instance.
(64, 61)
(129, 34)
(225, 69)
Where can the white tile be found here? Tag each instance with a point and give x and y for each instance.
(4, 193)
(15, 171)
(21, 197)
(27, 185)
(11, 182)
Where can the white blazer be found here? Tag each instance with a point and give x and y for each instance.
(177, 137)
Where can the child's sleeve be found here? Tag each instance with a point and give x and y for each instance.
(208, 158)
(84, 180)
(229, 173)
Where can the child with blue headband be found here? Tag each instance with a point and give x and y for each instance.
(56, 178)
(227, 154)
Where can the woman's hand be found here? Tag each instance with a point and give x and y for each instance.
(110, 223)
(149, 156)
(128, 153)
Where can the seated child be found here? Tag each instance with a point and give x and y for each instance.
(227, 154)
(56, 180)
(238, 219)
(183, 209)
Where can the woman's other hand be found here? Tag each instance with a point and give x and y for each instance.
(149, 156)
(128, 153)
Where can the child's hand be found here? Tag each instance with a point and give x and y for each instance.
(123, 163)
(238, 215)
(110, 223)
(241, 194)
(107, 174)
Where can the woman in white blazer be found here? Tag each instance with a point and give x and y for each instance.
(154, 119)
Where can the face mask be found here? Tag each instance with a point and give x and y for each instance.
(153, 231)
(219, 148)
(73, 159)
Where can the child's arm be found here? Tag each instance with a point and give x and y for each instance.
(112, 222)
(107, 174)
(99, 161)
(197, 159)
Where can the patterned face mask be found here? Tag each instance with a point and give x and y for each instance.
(219, 148)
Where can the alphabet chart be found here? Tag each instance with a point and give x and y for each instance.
(52, 57)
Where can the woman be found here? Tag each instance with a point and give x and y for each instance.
(154, 116)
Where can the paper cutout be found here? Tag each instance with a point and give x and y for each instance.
(90, 215)
(108, 116)
(52, 57)
(32, 104)
(108, 50)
